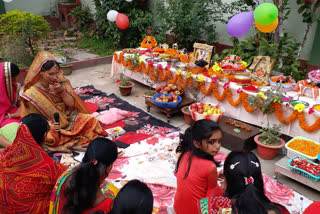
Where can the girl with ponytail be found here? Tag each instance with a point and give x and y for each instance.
(245, 188)
(79, 190)
(196, 169)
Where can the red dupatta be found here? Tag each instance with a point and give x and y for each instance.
(27, 176)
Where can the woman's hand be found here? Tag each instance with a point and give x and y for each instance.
(55, 127)
(56, 87)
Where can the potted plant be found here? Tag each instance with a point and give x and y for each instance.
(62, 58)
(125, 86)
(186, 114)
(269, 141)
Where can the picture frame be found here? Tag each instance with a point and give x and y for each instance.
(202, 51)
(261, 69)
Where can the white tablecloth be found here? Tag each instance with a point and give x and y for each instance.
(257, 118)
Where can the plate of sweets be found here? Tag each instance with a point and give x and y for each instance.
(251, 88)
(233, 63)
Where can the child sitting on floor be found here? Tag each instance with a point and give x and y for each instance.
(196, 169)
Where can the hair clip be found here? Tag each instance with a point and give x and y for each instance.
(232, 166)
(93, 161)
(255, 163)
(249, 180)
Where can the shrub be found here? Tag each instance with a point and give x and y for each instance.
(139, 15)
(25, 26)
(83, 17)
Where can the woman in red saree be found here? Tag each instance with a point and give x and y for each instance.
(9, 103)
(47, 91)
(27, 173)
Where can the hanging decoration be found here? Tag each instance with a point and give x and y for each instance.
(266, 14)
(267, 28)
(112, 15)
(122, 21)
(240, 24)
(129, 0)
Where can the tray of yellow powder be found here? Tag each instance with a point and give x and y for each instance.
(303, 147)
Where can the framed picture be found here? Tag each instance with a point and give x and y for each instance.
(261, 69)
(202, 52)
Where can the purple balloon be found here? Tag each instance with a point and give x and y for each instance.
(240, 24)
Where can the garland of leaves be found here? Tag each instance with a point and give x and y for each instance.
(166, 75)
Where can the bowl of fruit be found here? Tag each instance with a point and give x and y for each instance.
(166, 100)
(200, 111)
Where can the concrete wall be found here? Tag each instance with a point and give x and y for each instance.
(90, 4)
(39, 7)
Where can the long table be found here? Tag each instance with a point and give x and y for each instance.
(237, 112)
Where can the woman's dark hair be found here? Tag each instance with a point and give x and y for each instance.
(49, 64)
(14, 70)
(37, 125)
(250, 196)
(134, 198)
(84, 183)
(198, 131)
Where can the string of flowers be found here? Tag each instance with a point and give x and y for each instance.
(166, 75)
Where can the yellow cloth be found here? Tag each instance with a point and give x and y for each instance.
(78, 127)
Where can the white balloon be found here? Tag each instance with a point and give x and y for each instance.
(7, 0)
(112, 15)
(129, 0)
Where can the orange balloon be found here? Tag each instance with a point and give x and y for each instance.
(267, 28)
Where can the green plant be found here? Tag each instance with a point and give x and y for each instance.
(122, 81)
(83, 17)
(139, 15)
(264, 101)
(135, 60)
(270, 135)
(25, 26)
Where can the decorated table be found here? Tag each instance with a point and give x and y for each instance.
(229, 95)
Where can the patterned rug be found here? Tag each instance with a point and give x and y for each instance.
(138, 125)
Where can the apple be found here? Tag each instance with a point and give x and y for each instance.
(164, 84)
(200, 111)
(194, 105)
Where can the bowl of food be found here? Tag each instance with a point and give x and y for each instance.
(295, 102)
(208, 111)
(316, 107)
(166, 100)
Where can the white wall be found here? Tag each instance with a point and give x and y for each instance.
(90, 4)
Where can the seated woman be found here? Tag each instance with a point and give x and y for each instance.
(9, 103)
(47, 91)
(79, 190)
(196, 169)
(27, 173)
(134, 198)
(244, 192)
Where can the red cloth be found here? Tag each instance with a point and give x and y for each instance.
(313, 208)
(27, 176)
(132, 137)
(200, 183)
(92, 107)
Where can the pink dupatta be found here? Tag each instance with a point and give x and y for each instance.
(8, 92)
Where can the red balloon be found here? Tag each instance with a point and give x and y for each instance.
(122, 21)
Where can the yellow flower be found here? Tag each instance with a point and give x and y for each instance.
(189, 74)
(217, 68)
(299, 107)
(200, 78)
(260, 94)
(141, 60)
(179, 72)
(244, 63)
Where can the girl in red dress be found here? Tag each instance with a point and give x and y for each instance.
(196, 169)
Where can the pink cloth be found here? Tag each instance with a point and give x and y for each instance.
(111, 116)
(5, 102)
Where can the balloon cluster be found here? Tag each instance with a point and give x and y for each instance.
(265, 17)
(122, 21)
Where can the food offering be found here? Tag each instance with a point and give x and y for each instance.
(233, 64)
(305, 168)
(286, 82)
(166, 100)
(303, 147)
(207, 111)
(169, 89)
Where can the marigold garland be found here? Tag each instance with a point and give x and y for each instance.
(148, 42)
(166, 75)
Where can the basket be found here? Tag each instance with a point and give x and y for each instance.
(285, 87)
(314, 178)
(214, 117)
(291, 153)
(166, 104)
